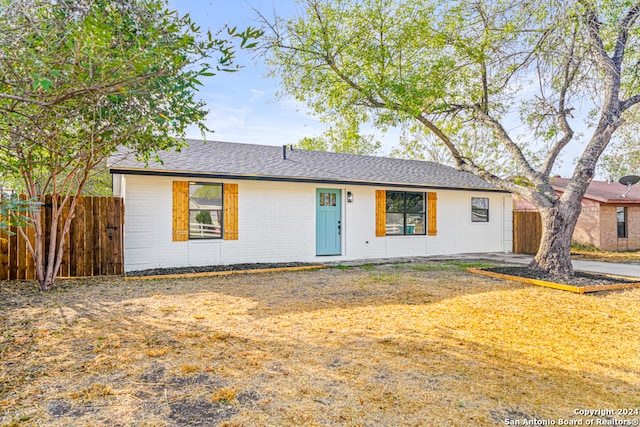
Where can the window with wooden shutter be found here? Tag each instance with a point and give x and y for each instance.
(381, 213)
(205, 210)
(230, 211)
(180, 211)
(405, 213)
(432, 202)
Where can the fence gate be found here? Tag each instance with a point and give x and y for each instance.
(527, 232)
(94, 246)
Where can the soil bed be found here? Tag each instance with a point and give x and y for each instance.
(580, 278)
(212, 268)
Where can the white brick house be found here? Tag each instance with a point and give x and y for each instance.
(225, 203)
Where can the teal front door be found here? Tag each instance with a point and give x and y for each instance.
(328, 222)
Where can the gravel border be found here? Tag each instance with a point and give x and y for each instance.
(212, 268)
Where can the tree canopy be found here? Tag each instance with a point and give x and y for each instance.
(78, 79)
(343, 136)
(509, 77)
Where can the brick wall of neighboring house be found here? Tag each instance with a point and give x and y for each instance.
(587, 231)
(598, 225)
(609, 229)
(633, 225)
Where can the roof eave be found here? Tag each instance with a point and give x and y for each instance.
(256, 177)
(622, 201)
(601, 199)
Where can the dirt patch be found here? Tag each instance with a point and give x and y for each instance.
(61, 408)
(398, 344)
(212, 268)
(200, 412)
(580, 279)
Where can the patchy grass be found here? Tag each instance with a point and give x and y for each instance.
(594, 254)
(401, 345)
(448, 265)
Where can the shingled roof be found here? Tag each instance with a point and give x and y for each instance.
(249, 161)
(603, 191)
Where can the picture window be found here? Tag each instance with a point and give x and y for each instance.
(406, 214)
(205, 211)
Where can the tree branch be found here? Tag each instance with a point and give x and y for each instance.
(457, 156)
(593, 26)
(23, 99)
(562, 112)
(511, 146)
(623, 35)
(630, 102)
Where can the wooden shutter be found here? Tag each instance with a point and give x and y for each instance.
(432, 202)
(180, 211)
(381, 213)
(230, 212)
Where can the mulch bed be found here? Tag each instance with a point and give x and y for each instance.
(580, 278)
(212, 268)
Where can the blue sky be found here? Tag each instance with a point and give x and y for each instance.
(243, 105)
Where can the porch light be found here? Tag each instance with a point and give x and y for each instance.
(349, 197)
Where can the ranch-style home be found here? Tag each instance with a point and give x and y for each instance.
(227, 203)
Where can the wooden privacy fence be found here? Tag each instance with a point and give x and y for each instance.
(94, 246)
(527, 232)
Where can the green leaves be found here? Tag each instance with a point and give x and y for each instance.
(80, 79)
(343, 137)
(41, 82)
(514, 75)
(100, 72)
(15, 211)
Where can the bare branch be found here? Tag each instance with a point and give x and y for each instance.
(621, 43)
(569, 73)
(600, 51)
(422, 118)
(511, 146)
(23, 99)
(630, 102)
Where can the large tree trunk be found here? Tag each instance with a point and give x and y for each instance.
(554, 253)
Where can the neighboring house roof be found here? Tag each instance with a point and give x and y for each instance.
(215, 159)
(522, 204)
(603, 191)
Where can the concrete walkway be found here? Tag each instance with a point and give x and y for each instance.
(616, 268)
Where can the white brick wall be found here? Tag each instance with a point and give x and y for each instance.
(507, 203)
(276, 222)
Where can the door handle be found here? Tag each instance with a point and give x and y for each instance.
(339, 228)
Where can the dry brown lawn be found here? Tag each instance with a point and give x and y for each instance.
(391, 345)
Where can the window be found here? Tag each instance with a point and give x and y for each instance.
(327, 199)
(205, 211)
(621, 215)
(479, 209)
(405, 213)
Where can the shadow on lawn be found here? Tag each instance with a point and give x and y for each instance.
(271, 293)
(385, 346)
